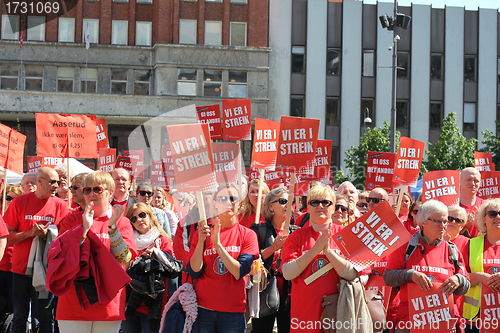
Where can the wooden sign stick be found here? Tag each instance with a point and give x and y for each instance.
(171, 184)
(259, 198)
(69, 183)
(4, 190)
(289, 204)
(238, 167)
(201, 209)
(400, 198)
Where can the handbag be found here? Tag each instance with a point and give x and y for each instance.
(269, 298)
(377, 310)
(329, 314)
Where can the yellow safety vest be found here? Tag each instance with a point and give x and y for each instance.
(472, 300)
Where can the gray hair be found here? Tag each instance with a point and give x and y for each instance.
(429, 208)
(271, 196)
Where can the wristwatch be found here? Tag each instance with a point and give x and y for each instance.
(112, 227)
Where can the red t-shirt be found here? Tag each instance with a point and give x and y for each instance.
(3, 228)
(217, 289)
(6, 262)
(473, 232)
(306, 300)
(249, 219)
(26, 210)
(299, 219)
(409, 226)
(68, 306)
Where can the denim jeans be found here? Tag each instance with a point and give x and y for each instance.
(209, 321)
(137, 323)
(23, 290)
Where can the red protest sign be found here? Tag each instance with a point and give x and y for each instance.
(372, 236)
(4, 143)
(15, 154)
(301, 183)
(226, 157)
(442, 185)
(376, 282)
(125, 163)
(483, 161)
(106, 161)
(192, 157)
(380, 170)
(157, 174)
(236, 119)
(272, 179)
(265, 143)
(490, 310)
(297, 144)
(137, 159)
(36, 162)
(210, 114)
(322, 161)
(430, 311)
(64, 135)
(489, 188)
(101, 133)
(168, 165)
(408, 161)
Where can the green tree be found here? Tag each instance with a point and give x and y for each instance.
(452, 151)
(492, 145)
(375, 139)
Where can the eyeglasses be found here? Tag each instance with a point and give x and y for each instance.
(224, 198)
(325, 203)
(445, 222)
(52, 181)
(493, 213)
(142, 215)
(282, 201)
(452, 219)
(362, 205)
(75, 187)
(341, 207)
(95, 189)
(8, 198)
(144, 193)
(374, 200)
(415, 211)
(63, 177)
(29, 183)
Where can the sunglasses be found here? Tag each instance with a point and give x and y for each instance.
(341, 207)
(325, 203)
(52, 181)
(142, 215)
(224, 198)
(452, 219)
(374, 200)
(282, 201)
(493, 213)
(144, 193)
(95, 189)
(75, 187)
(8, 198)
(415, 211)
(362, 205)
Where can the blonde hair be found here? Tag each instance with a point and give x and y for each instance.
(14, 188)
(163, 204)
(481, 214)
(246, 206)
(320, 191)
(339, 197)
(145, 208)
(100, 177)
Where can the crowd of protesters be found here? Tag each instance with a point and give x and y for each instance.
(69, 245)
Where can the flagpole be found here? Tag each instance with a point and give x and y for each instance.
(21, 39)
(87, 45)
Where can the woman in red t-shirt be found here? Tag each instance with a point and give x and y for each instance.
(341, 211)
(248, 206)
(411, 223)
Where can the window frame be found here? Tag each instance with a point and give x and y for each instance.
(407, 69)
(144, 23)
(42, 27)
(91, 29)
(208, 22)
(328, 114)
(231, 33)
(30, 77)
(474, 57)
(2, 76)
(440, 78)
(65, 19)
(331, 71)
(113, 22)
(118, 81)
(407, 102)
(207, 81)
(441, 115)
(188, 81)
(142, 82)
(63, 78)
(235, 83)
(84, 79)
(5, 20)
(298, 97)
(185, 21)
(467, 115)
(373, 73)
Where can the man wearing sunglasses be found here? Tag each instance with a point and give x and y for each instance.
(144, 193)
(30, 215)
(77, 191)
(377, 195)
(63, 189)
(121, 196)
(470, 181)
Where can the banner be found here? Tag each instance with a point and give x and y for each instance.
(408, 161)
(237, 121)
(322, 162)
(15, 155)
(489, 320)
(301, 183)
(297, 144)
(125, 163)
(483, 161)
(376, 282)
(192, 156)
(168, 165)
(265, 143)
(489, 186)
(430, 311)
(442, 185)
(372, 236)
(4, 143)
(137, 159)
(36, 162)
(380, 170)
(101, 133)
(272, 178)
(225, 156)
(106, 160)
(210, 114)
(62, 135)
(158, 177)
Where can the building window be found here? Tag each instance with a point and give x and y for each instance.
(9, 76)
(144, 1)
(212, 83)
(498, 72)
(36, 28)
(119, 81)
(403, 114)
(333, 62)
(10, 27)
(297, 106)
(120, 0)
(186, 82)
(238, 34)
(436, 66)
(298, 53)
(367, 114)
(237, 87)
(403, 64)
(213, 32)
(242, 2)
(213, 0)
(335, 162)
(469, 116)
(66, 30)
(436, 115)
(33, 77)
(93, 31)
(141, 82)
(88, 80)
(143, 33)
(368, 63)
(65, 78)
(120, 33)
(470, 68)
(187, 31)
(332, 111)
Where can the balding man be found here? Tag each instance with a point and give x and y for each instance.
(348, 190)
(470, 180)
(376, 196)
(122, 186)
(30, 215)
(28, 183)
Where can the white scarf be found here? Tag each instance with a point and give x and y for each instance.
(321, 227)
(143, 241)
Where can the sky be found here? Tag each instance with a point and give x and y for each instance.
(469, 4)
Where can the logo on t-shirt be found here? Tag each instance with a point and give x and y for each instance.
(432, 278)
(493, 270)
(219, 267)
(319, 264)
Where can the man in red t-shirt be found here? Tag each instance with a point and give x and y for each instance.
(470, 180)
(28, 216)
(122, 186)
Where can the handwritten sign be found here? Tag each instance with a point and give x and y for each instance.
(4, 142)
(15, 153)
(483, 161)
(236, 119)
(265, 144)
(210, 114)
(408, 161)
(106, 161)
(442, 185)
(380, 170)
(490, 185)
(101, 133)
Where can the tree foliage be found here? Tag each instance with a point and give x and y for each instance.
(452, 151)
(492, 145)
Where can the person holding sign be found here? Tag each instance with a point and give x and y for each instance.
(425, 260)
(220, 257)
(306, 251)
(247, 211)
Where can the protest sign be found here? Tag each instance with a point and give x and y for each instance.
(4, 143)
(210, 114)
(380, 170)
(15, 160)
(430, 311)
(372, 236)
(36, 162)
(301, 186)
(483, 161)
(236, 119)
(273, 178)
(192, 157)
(225, 156)
(168, 166)
(322, 161)
(158, 177)
(408, 161)
(489, 320)
(62, 135)
(265, 144)
(125, 163)
(106, 160)
(489, 187)
(442, 185)
(101, 133)
(137, 159)
(376, 282)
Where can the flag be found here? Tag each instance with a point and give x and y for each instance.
(87, 38)
(21, 39)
